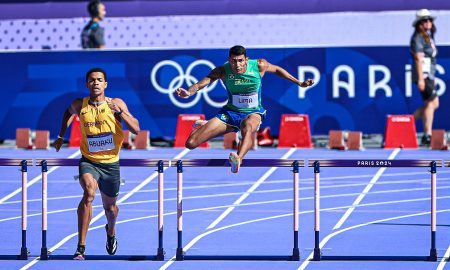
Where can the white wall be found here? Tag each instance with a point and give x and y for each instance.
(223, 31)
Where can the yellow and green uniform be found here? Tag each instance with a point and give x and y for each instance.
(244, 95)
(102, 134)
(244, 90)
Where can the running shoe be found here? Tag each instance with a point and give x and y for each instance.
(111, 242)
(79, 254)
(235, 162)
(197, 124)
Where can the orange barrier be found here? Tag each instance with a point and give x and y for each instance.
(400, 132)
(75, 132)
(184, 128)
(230, 140)
(354, 140)
(294, 131)
(23, 138)
(336, 140)
(127, 141)
(42, 139)
(142, 140)
(439, 139)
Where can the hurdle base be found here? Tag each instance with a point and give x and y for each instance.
(180, 254)
(10, 257)
(433, 255)
(317, 254)
(44, 254)
(239, 258)
(107, 257)
(23, 253)
(295, 255)
(160, 254)
(375, 258)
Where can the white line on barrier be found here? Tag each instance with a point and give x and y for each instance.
(34, 180)
(98, 216)
(249, 191)
(365, 191)
(328, 237)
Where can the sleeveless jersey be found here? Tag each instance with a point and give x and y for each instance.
(102, 134)
(244, 90)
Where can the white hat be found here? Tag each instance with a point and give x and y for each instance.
(422, 14)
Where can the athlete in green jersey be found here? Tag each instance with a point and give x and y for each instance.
(243, 111)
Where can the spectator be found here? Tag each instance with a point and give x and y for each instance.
(423, 50)
(93, 35)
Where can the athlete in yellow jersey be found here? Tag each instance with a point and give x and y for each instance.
(101, 128)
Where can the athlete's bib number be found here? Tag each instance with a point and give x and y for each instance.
(101, 142)
(249, 100)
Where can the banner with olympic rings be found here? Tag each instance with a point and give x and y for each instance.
(356, 87)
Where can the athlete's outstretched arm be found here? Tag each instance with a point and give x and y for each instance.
(120, 109)
(73, 109)
(215, 74)
(265, 66)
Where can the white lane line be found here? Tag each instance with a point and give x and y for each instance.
(249, 191)
(365, 191)
(306, 262)
(98, 216)
(165, 266)
(228, 210)
(34, 180)
(441, 180)
(444, 259)
(328, 237)
(331, 209)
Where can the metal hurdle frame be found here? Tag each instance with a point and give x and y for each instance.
(44, 163)
(295, 164)
(371, 163)
(23, 163)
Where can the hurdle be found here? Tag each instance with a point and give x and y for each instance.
(23, 163)
(369, 163)
(294, 164)
(44, 163)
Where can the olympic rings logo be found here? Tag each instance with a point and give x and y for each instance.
(184, 77)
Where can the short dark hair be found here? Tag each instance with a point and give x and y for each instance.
(93, 8)
(92, 70)
(237, 50)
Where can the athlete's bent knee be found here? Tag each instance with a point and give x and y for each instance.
(190, 144)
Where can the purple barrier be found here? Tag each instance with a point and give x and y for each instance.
(245, 163)
(56, 9)
(374, 163)
(75, 162)
(14, 161)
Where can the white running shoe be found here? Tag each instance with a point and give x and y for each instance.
(235, 162)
